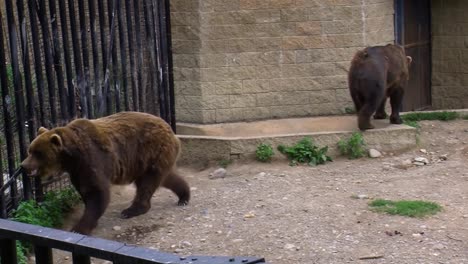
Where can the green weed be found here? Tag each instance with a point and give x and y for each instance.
(350, 110)
(264, 152)
(405, 207)
(354, 147)
(443, 116)
(49, 213)
(224, 163)
(305, 151)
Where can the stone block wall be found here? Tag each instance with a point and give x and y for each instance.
(450, 54)
(240, 60)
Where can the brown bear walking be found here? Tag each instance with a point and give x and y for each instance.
(377, 73)
(124, 148)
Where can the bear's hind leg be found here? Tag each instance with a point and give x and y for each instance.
(381, 114)
(179, 186)
(146, 185)
(396, 99)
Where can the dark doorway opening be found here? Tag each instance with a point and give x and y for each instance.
(413, 31)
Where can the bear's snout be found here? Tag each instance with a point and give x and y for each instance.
(29, 166)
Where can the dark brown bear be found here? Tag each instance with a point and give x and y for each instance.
(124, 148)
(377, 73)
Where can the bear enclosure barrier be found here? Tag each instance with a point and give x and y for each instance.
(65, 59)
(83, 248)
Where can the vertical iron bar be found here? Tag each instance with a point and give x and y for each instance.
(141, 93)
(48, 59)
(57, 63)
(131, 50)
(8, 251)
(84, 47)
(6, 103)
(97, 84)
(81, 259)
(108, 63)
(32, 7)
(111, 7)
(160, 76)
(27, 70)
(67, 57)
(102, 97)
(3, 211)
(166, 22)
(27, 190)
(152, 70)
(123, 55)
(43, 255)
(19, 97)
(77, 59)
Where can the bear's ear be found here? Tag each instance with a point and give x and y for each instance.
(409, 60)
(41, 130)
(56, 140)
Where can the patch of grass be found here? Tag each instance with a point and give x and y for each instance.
(350, 110)
(305, 151)
(225, 163)
(264, 152)
(465, 117)
(354, 147)
(405, 207)
(49, 213)
(411, 123)
(443, 116)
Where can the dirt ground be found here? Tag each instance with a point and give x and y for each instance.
(310, 214)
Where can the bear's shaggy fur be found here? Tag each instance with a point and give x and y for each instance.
(377, 73)
(123, 148)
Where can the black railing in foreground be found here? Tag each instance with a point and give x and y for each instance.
(84, 247)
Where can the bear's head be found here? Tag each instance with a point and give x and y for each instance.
(44, 154)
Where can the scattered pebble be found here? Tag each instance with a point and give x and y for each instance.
(362, 196)
(117, 228)
(261, 174)
(219, 173)
(289, 246)
(423, 151)
(420, 161)
(373, 153)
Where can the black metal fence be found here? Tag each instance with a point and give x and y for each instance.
(84, 247)
(64, 59)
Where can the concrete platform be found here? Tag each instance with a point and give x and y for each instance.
(215, 142)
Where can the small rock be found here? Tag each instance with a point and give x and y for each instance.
(439, 246)
(185, 244)
(443, 157)
(261, 174)
(362, 196)
(219, 173)
(422, 160)
(417, 163)
(423, 151)
(117, 228)
(417, 235)
(237, 240)
(203, 240)
(67, 258)
(178, 250)
(249, 215)
(289, 246)
(373, 153)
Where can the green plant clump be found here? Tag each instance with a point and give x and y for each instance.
(264, 152)
(224, 163)
(354, 147)
(49, 213)
(418, 116)
(305, 151)
(405, 207)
